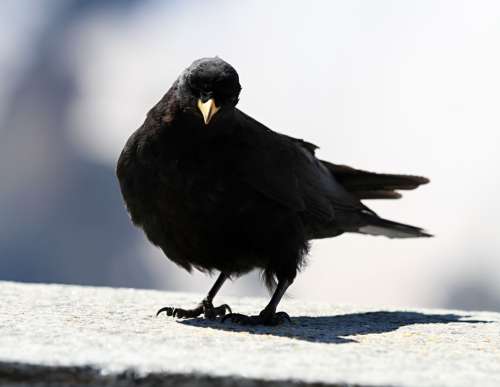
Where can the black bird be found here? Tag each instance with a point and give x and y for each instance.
(217, 190)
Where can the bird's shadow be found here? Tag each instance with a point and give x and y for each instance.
(337, 329)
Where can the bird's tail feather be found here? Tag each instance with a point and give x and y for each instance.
(371, 185)
(390, 229)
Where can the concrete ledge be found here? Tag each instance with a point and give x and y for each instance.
(70, 335)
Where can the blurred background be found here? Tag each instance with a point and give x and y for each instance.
(394, 86)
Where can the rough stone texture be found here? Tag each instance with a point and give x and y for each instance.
(61, 335)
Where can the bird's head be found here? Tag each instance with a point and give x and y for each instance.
(212, 85)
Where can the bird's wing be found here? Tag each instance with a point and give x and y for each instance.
(286, 170)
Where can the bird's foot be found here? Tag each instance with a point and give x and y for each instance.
(205, 307)
(264, 318)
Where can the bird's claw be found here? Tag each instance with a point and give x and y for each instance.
(273, 319)
(180, 313)
(167, 309)
(206, 308)
(212, 313)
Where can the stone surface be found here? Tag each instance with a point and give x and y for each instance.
(60, 335)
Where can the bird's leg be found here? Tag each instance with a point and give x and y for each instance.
(205, 307)
(268, 316)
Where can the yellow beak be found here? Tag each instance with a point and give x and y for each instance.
(208, 109)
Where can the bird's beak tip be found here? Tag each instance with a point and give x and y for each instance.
(207, 109)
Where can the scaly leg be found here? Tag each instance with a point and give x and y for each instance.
(205, 307)
(268, 316)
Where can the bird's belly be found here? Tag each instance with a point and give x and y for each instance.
(209, 223)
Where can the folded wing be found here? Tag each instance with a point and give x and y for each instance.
(286, 170)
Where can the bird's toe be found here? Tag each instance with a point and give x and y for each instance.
(262, 319)
(280, 318)
(167, 309)
(180, 313)
(237, 318)
(220, 311)
(206, 308)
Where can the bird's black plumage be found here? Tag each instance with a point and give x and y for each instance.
(217, 190)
